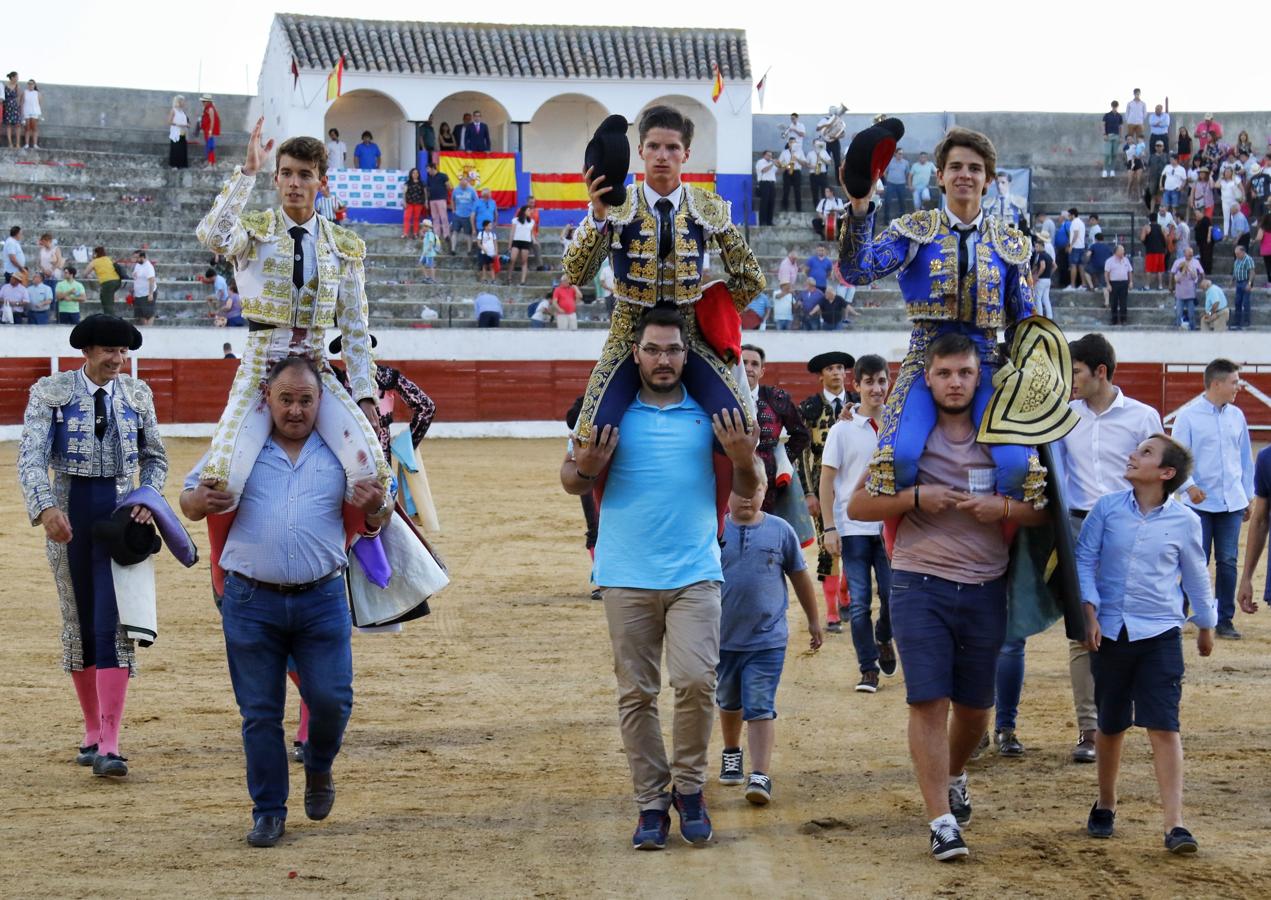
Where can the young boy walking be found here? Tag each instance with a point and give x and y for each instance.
(428, 252)
(1134, 548)
(759, 553)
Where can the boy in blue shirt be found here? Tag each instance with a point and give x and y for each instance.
(367, 153)
(759, 552)
(1135, 548)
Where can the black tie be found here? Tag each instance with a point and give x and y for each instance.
(664, 228)
(297, 233)
(99, 413)
(964, 261)
(838, 408)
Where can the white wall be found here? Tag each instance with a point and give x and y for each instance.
(559, 132)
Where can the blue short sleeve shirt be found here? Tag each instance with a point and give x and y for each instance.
(756, 560)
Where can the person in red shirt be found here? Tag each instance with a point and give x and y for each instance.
(565, 304)
(210, 126)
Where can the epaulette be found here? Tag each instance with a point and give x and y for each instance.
(1009, 242)
(55, 390)
(712, 211)
(623, 213)
(348, 243)
(259, 223)
(136, 392)
(921, 226)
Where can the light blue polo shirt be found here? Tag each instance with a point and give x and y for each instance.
(657, 520)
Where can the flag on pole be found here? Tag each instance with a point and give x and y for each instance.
(334, 78)
(295, 74)
(762, 85)
(718, 87)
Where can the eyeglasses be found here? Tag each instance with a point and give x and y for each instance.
(659, 352)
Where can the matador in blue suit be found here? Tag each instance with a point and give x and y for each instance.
(968, 276)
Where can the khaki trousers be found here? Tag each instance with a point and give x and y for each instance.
(686, 620)
(1079, 669)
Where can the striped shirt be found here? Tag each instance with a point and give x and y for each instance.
(326, 206)
(1243, 269)
(289, 528)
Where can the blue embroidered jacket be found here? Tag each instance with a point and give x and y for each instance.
(924, 247)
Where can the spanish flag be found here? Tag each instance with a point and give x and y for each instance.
(496, 171)
(718, 87)
(334, 78)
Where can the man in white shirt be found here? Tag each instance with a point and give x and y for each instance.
(766, 176)
(792, 164)
(920, 175)
(849, 446)
(794, 130)
(1076, 249)
(1173, 180)
(144, 295)
(832, 130)
(1158, 126)
(1135, 116)
(14, 257)
(818, 162)
(337, 150)
(1092, 460)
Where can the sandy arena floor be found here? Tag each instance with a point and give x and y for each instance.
(483, 756)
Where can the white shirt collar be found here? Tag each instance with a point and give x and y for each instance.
(954, 221)
(754, 394)
(311, 226)
(830, 398)
(651, 196)
(1117, 403)
(92, 388)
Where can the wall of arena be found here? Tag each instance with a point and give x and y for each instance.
(490, 383)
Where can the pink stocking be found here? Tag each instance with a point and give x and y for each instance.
(85, 681)
(302, 730)
(831, 588)
(112, 689)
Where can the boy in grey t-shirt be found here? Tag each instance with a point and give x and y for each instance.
(760, 551)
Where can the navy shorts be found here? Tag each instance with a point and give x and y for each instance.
(1076, 256)
(1138, 682)
(948, 635)
(747, 680)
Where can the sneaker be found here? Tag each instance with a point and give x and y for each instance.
(759, 789)
(110, 764)
(1228, 631)
(297, 752)
(834, 627)
(596, 594)
(1100, 823)
(887, 658)
(695, 824)
(1084, 751)
(947, 843)
(1008, 744)
(652, 829)
(1180, 840)
(86, 755)
(730, 769)
(869, 682)
(981, 746)
(960, 800)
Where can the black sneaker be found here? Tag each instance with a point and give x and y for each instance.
(731, 770)
(947, 843)
(759, 789)
(1227, 631)
(1008, 744)
(1100, 823)
(596, 594)
(297, 752)
(981, 746)
(834, 627)
(960, 800)
(86, 755)
(1180, 840)
(887, 658)
(869, 682)
(110, 764)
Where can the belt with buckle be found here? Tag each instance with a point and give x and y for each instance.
(287, 588)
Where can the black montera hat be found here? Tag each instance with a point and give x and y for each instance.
(338, 344)
(609, 154)
(821, 360)
(870, 152)
(101, 330)
(128, 542)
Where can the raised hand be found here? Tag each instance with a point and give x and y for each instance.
(257, 149)
(595, 187)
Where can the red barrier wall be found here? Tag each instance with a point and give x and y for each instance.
(194, 390)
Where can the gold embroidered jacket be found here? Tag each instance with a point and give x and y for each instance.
(262, 251)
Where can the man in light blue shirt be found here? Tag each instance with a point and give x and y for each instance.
(658, 566)
(284, 595)
(464, 199)
(1134, 550)
(486, 210)
(1215, 431)
(1216, 312)
(488, 309)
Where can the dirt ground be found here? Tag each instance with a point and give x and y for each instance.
(483, 756)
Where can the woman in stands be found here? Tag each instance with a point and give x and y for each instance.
(31, 115)
(178, 126)
(445, 140)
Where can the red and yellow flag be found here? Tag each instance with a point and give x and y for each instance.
(718, 87)
(565, 190)
(496, 171)
(334, 79)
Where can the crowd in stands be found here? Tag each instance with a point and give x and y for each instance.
(22, 112)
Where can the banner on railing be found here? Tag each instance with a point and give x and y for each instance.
(368, 188)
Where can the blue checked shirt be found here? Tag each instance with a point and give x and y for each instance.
(289, 527)
(1219, 441)
(1242, 271)
(1130, 565)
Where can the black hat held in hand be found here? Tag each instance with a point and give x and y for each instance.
(609, 154)
(337, 346)
(870, 152)
(128, 542)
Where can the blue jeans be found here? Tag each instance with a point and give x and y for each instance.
(863, 555)
(784, 324)
(1186, 307)
(1010, 683)
(1240, 316)
(262, 628)
(747, 681)
(894, 194)
(35, 317)
(1220, 533)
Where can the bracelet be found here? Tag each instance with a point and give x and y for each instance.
(831, 528)
(916, 506)
(1006, 508)
(579, 473)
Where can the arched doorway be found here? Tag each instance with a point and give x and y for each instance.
(702, 152)
(380, 114)
(557, 135)
(452, 109)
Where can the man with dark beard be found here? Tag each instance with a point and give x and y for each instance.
(948, 590)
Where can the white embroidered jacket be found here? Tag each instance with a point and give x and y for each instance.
(262, 251)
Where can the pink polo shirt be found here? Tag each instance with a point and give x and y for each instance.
(1118, 269)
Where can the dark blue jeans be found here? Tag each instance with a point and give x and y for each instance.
(1220, 533)
(865, 555)
(261, 629)
(1010, 683)
(1242, 313)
